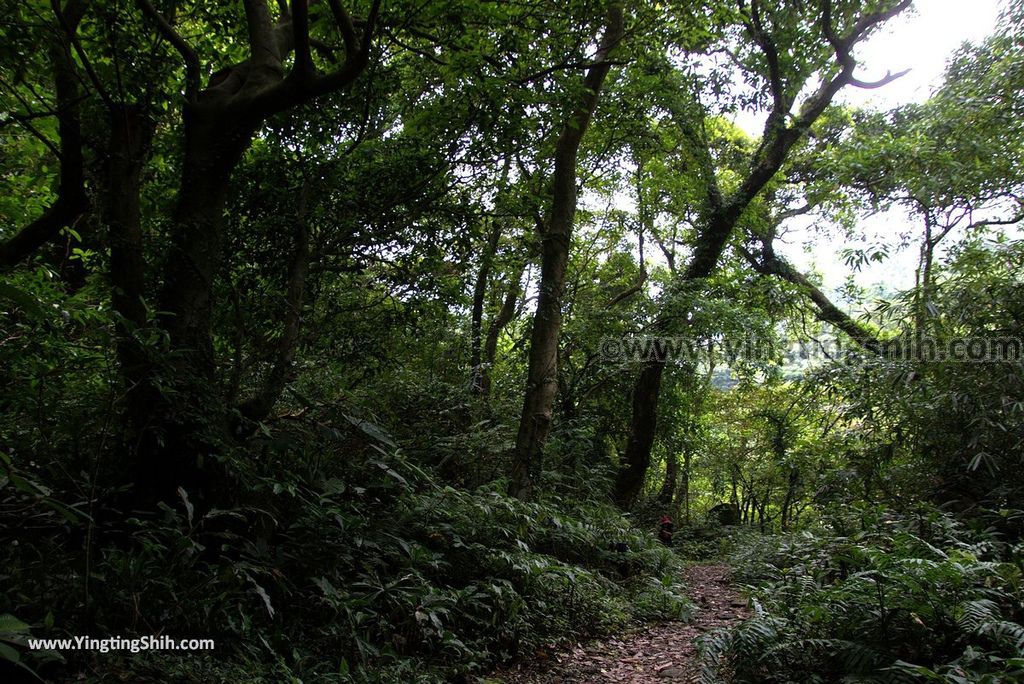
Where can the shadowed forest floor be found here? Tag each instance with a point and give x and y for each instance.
(662, 653)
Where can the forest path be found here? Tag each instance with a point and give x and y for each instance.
(655, 655)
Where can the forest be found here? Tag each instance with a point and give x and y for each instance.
(507, 341)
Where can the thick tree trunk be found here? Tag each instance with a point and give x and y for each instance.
(211, 153)
(644, 422)
(181, 428)
(131, 133)
(542, 374)
(647, 389)
(184, 419)
(542, 382)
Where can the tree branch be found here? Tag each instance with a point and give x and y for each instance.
(885, 80)
(825, 310)
(188, 54)
(300, 30)
(345, 28)
(70, 29)
(71, 200)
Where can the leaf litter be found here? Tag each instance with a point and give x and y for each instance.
(665, 652)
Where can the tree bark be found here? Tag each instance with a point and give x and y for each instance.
(542, 374)
(131, 133)
(182, 428)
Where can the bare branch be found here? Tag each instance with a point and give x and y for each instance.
(755, 28)
(792, 213)
(345, 27)
(885, 80)
(70, 29)
(371, 26)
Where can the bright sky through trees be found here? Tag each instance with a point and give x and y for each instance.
(921, 41)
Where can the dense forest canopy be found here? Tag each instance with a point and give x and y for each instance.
(371, 339)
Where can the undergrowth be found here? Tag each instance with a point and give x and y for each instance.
(900, 599)
(357, 569)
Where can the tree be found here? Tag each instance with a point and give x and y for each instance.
(839, 29)
(542, 374)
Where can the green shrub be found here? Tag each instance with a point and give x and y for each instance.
(901, 599)
(314, 577)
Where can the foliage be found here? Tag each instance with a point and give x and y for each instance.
(317, 579)
(877, 597)
(270, 284)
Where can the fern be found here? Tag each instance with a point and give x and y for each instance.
(884, 605)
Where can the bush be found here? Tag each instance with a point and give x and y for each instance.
(363, 569)
(901, 599)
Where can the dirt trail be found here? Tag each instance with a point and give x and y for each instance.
(656, 655)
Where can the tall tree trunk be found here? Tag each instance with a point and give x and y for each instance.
(504, 316)
(923, 294)
(792, 482)
(184, 419)
(668, 488)
(131, 133)
(182, 428)
(477, 314)
(644, 421)
(685, 485)
(258, 407)
(542, 374)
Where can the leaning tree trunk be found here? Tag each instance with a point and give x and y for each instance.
(783, 129)
(542, 374)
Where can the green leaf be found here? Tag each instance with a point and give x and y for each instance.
(21, 299)
(12, 625)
